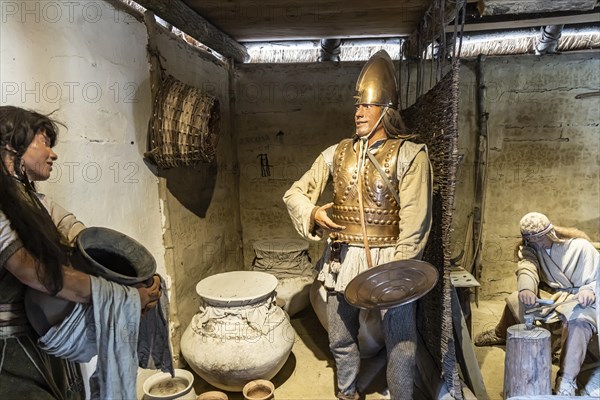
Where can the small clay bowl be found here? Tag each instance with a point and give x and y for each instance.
(259, 389)
(161, 386)
(213, 395)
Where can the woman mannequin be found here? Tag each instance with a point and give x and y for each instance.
(35, 238)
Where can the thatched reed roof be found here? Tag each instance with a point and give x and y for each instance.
(523, 42)
(504, 43)
(516, 42)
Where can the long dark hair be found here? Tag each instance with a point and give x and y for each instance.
(394, 125)
(18, 202)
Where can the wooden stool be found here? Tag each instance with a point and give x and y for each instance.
(528, 362)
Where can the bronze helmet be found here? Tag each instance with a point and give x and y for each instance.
(376, 83)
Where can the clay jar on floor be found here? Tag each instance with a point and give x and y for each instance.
(239, 334)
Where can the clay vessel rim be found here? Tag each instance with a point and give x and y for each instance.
(257, 383)
(160, 376)
(115, 242)
(212, 395)
(236, 287)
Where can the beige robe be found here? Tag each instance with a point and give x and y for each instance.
(571, 266)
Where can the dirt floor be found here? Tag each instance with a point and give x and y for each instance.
(308, 374)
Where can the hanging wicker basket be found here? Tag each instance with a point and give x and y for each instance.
(185, 126)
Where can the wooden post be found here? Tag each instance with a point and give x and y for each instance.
(465, 352)
(528, 362)
(179, 14)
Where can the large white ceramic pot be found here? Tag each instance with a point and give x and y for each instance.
(239, 334)
(288, 261)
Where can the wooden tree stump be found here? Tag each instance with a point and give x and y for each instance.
(528, 362)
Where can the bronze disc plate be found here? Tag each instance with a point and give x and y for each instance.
(391, 285)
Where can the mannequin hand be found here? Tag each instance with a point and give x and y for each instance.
(586, 297)
(150, 295)
(527, 297)
(323, 220)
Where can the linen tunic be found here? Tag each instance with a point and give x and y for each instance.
(415, 192)
(571, 266)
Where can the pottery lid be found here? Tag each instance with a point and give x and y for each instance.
(237, 287)
(281, 245)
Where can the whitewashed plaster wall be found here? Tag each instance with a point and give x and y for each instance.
(202, 234)
(86, 62)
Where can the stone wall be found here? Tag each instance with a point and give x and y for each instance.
(543, 147)
(543, 153)
(292, 112)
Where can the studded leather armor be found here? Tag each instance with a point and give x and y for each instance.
(380, 207)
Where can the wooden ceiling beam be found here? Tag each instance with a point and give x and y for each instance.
(251, 20)
(503, 7)
(532, 22)
(177, 13)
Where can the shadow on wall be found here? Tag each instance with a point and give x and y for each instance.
(193, 187)
(591, 227)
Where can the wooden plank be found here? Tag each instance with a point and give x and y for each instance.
(176, 12)
(337, 28)
(248, 20)
(156, 73)
(502, 7)
(528, 23)
(461, 278)
(428, 379)
(315, 11)
(305, 4)
(465, 352)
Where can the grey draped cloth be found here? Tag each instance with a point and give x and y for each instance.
(112, 328)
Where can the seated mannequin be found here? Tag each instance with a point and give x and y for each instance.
(565, 263)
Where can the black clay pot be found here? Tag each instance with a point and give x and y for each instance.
(114, 256)
(101, 252)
